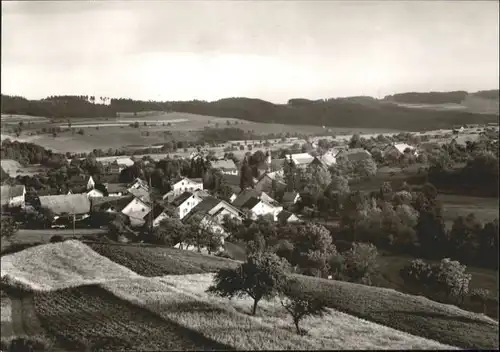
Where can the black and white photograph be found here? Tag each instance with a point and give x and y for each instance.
(249, 175)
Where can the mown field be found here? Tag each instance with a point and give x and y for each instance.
(414, 315)
(112, 308)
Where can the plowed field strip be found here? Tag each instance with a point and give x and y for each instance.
(90, 317)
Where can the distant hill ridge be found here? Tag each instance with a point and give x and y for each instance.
(360, 111)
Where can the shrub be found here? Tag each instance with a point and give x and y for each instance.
(416, 273)
(262, 276)
(450, 278)
(56, 238)
(480, 295)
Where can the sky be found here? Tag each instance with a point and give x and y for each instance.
(273, 50)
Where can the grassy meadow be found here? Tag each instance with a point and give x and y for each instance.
(81, 298)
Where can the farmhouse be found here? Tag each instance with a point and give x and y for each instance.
(158, 214)
(269, 180)
(399, 149)
(111, 204)
(13, 196)
(75, 204)
(215, 209)
(115, 189)
(136, 210)
(258, 207)
(300, 160)
(354, 155)
(226, 166)
(244, 196)
(184, 185)
(184, 203)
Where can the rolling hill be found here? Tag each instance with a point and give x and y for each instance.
(399, 112)
(75, 297)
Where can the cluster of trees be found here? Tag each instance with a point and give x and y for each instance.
(196, 231)
(455, 97)
(480, 175)
(339, 112)
(29, 153)
(446, 281)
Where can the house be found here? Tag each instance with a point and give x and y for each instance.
(184, 203)
(13, 196)
(290, 198)
(184, 185)
(136, 210)
(287, 217)
(269, 180)
(90, 183)
(75, 204)
(258, 206)
(300, 160)
(158, 214)
(111, 204)
(141, 193)
(399, 149)
(326, 160)
(354, 155)
(138, 183)
(116, 189)
(244, 196)
(226, 166)
(94, 193)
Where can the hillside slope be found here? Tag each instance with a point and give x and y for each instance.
(361, 112)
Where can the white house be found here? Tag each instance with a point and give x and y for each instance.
(184, 185)
(261, 207)
(136, 210)
(226, 166)
(185, 203)
(300, 160)
(94, 193)
(13, 196)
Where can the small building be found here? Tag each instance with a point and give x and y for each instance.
(258, 207)
(326, 160)
(301, 160)
(158, 214)
(183, 185)
(285, 217)
(94, 193)
(136, 210)
(13, 196)
(399, 149)
(184, 203)
(226, 166)
(116, 189)
(354, 155)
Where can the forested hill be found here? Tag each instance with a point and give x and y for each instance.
(456, 97)
(363, 112)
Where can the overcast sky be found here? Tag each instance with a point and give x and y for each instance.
(173, 50)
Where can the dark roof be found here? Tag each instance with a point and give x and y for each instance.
(244, 196)
(249, 204)
(181, 199)
(289, 196)
(116, 187)
(157, 210)
(232, 180)
(104, 203)
(203, 207)
(284, 215)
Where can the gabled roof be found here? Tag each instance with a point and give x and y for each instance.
(301, 158)
(327, 159)
(66, 203)
(156, 211)
(186, 179)
(8, 192)
(203, 207)
(104, 203)
(224, 164)
(244, 196)
(181, 199)
(140, 193)
(124, 161)
(401, 147)
(266, 198)
(251, 203)
(284, 215)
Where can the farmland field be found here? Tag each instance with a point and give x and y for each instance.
(414, 315)
(485, 209)
(159, 261)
